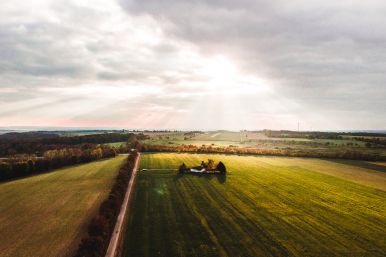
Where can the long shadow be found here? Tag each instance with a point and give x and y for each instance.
(361, 164)
(221, 178)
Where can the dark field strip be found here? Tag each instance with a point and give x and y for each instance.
(259, 209)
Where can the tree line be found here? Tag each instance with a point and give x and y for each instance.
(301, 134)
(209, 167)
(372, 141)
(22, 166)
(320, 134)
(37, 143)
(101, 227)
(342, 154)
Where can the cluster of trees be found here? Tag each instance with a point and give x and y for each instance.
(93, 138)
(343, 154)
(362, 136)
(302, 134)
(287, 142)
(52, 159)
(101, 227)
(208, 166)
(39, 142)
(370, 141)
(365, 134)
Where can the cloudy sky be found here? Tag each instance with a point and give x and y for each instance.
(205, 64)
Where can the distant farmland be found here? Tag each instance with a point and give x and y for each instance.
(266, 206)
(46, 215)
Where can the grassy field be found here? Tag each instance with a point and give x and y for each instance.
(46, 215)
(259, 140)
(117, 144)
(265, 206)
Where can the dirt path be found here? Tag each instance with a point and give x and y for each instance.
(117, 233)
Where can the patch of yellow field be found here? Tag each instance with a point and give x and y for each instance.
(46, 215)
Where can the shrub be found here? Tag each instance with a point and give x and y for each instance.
(92, 246)
(5, 170)
(221, 167)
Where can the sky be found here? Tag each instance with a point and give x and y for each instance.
(193, 64)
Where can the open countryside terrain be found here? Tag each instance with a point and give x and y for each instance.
(264, 206)
(47, 215)
(258, 139)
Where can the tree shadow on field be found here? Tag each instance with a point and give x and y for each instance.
(361, 164)
(221, 178)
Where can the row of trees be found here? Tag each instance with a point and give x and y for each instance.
(302, 134)
(101, 227)
(343, 154)
(377, 141)
(289, 142)
(371, 137)
(208, 166)
(52, 159)
(38, 143)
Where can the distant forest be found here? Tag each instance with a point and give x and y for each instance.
(39, 142)
(318, 134)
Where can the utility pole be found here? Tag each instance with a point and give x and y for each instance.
(298, 126)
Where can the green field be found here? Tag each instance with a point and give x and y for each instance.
(117, 144)
(259, 140)
(46, 215)
(265, 206)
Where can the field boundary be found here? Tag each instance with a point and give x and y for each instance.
(38, 173)
(260, 155)
(266, 208)
(115, 245)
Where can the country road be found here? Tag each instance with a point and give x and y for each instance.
(114, 242)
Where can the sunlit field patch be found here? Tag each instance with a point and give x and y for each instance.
(48, 214)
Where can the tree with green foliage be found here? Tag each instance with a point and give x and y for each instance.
(221, 167)
(98, 227)
(210, 164)
(5, 170)
(182, 168)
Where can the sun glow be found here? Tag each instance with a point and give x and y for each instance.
(219, 70)
(223, 75)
